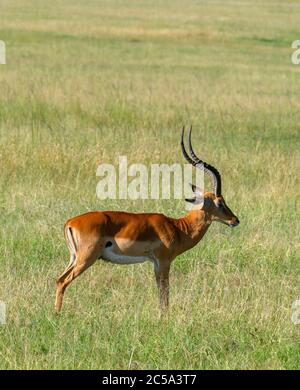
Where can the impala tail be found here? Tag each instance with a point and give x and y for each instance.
(69, 237)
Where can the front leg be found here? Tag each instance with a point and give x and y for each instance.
(162, 270)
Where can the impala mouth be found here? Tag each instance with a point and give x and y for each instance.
(228, 223)
(233, 224)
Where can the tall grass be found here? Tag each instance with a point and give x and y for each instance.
(88, 81)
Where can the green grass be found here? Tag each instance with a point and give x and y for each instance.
(88, 81)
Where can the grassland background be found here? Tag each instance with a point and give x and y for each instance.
(87, 81)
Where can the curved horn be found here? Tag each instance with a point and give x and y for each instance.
(211, 170)
(196, 162)
(184, 152)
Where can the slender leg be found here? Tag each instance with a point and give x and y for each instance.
(162, 280)
(68, 269)
(61, 285)
(164, 289)
(157, 273)
(69, 275)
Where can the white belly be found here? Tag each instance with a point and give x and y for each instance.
(117, 258)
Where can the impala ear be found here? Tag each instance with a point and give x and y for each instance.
(190, 200)
(195, 188)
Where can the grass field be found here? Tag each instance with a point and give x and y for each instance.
(88, 81)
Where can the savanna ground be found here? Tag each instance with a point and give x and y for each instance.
(88, 81)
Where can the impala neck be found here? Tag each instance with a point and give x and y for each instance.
(193, 226)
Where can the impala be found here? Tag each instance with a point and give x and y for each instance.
(128, 238)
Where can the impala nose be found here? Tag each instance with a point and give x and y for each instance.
(235, 222)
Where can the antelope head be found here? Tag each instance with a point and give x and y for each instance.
(213, 203)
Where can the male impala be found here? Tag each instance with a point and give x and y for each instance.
(127, 238)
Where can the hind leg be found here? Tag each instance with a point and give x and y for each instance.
(73, 270)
